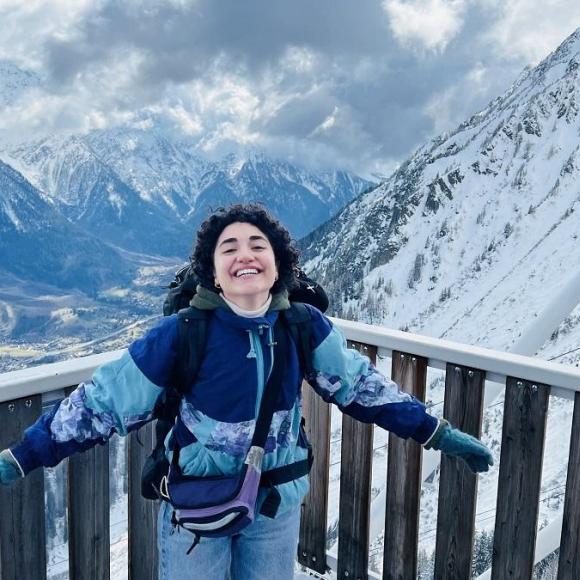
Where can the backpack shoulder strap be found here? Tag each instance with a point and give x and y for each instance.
(300, 324)
(191, 332)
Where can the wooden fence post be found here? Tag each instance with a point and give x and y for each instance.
(143, 553)
(355, 491)
(520, 472)
(312, 543)
(88, 513)
(404, 480)
(458, 485)
(22, 528)
(569, 564)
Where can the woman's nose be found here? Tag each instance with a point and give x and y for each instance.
(245, 256)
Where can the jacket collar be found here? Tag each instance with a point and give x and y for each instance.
(205, 299)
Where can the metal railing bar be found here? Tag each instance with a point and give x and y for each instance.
(46, 378)
(501, 363)
(498, 365)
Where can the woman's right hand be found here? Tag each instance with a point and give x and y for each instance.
(9, 471)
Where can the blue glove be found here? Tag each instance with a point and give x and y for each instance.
(455, 442)
(9, 470)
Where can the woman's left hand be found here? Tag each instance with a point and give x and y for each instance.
(455, 442)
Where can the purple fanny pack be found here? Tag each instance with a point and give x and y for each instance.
(215, 506)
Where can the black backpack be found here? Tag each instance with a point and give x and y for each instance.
(192, 329)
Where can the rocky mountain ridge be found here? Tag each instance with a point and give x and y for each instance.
(148, 192)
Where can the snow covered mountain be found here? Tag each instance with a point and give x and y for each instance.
(167, 170)
(40, 244)
(89, 193)
(147, 190)
(475, 239)
(301, 199)
(475, 235)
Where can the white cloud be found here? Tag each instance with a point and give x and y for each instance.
(298, 59)
(26, 25)
(99, 97)
(430, 23)
(458, 102)
(336, 87)
(531, 30)
(189, 122)
(328, 123)
(441, 109)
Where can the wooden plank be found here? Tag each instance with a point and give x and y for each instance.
(355, 491)
(312, 542)
(569, 564)
(463, 408)
(22, 528)
(520, 471)
(143, 554)
(404, 480)
(88, 513)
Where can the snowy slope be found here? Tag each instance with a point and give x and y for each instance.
(89, 193)
(37, 242)
(475, 239)
(473, 224)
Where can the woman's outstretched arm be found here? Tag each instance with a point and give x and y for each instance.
(119, 398)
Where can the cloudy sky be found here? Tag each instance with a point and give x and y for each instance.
(352, 83)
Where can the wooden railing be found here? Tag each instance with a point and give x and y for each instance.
(474, 377)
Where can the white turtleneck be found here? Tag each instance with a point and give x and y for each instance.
(248, 313)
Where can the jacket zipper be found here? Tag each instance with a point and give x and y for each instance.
(260, 369)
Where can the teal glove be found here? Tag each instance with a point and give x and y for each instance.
(9, 470)
(455, 442)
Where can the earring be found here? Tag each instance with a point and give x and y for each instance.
(216, 283)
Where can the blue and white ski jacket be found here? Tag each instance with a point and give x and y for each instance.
(218, 416)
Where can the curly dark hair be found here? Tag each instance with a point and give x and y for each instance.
(285, 253)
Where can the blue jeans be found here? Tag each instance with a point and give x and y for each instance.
(265, 550)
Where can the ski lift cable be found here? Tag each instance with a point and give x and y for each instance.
(564, 353)
(479, 514)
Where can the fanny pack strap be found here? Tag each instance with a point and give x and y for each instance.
(268, 402)
(278, 476)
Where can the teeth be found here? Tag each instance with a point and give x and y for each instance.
(248, 271)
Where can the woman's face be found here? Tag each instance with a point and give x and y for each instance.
(244, 265)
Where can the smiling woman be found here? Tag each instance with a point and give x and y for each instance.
(238, 453)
